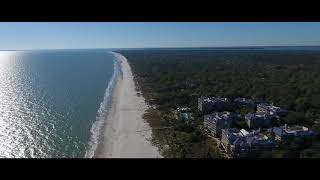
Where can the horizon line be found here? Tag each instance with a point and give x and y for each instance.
(172, 47)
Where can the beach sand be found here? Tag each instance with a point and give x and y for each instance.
(122, 136)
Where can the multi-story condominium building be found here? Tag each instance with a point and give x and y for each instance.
(259, 119)
(260, 142)
(244, 102)
(285, 132)
(267, 108)
(209, 104)
(228, 136)
(217, 121)
(243, 143)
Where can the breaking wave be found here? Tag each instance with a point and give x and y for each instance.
(103, 110)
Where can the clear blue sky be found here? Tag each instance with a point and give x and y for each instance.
(42, 35)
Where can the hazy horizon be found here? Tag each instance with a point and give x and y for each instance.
(200, 47)
(125, 35)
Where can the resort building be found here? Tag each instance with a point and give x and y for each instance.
(209, 104)
(266, 108)
(228, 137)
(285, 132)
(244, 102)
(241, 143)
(259, 119)
(217, 121)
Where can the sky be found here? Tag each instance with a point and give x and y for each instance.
(64, 35)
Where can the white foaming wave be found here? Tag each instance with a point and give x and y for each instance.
(103, 110)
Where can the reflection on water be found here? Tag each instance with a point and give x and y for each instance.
(41, 99)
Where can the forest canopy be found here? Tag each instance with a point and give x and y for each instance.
(176, 78)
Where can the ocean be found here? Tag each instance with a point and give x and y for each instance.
(53, 102)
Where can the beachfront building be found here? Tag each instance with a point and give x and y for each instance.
(270, 108)
(285, 132)
(241, 143)
(244, 102)
(184, 114)
(260, 119)
(260, 142)
(217, 121)
(209, 104)
(228, 136)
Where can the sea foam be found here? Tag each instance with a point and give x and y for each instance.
(104, 108)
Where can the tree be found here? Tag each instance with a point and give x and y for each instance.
(294, 118)
(301, 104)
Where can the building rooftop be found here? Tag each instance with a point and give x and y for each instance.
(183, 109)
(244, 132)
(296, 128)
(253, 116)
(186, 116)
(214, 99)
(220, 116)
(244, 138)
(263, 105)
(244, 100)
(270, 107)
(293, 130)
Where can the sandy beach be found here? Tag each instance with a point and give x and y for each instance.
(124, 134)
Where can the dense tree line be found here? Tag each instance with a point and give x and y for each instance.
(176, 78)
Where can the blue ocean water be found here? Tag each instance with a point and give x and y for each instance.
(52, 102)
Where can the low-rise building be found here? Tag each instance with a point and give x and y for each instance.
(285, 132)
(209, 104)
(186, 117)
(240, 143)
(183, 114)
(217, 121)
(267, 108)
(260, 119)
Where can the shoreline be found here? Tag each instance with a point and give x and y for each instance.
(119, 136)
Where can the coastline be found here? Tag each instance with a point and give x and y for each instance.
(121, 135)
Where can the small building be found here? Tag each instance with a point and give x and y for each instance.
(209, 104)
(241, 143)
(285, 132)
(183, 109)
(183, 114)
(186, 117)
(267, 108)
(217, 121)
(260, 119)
(244, 102)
